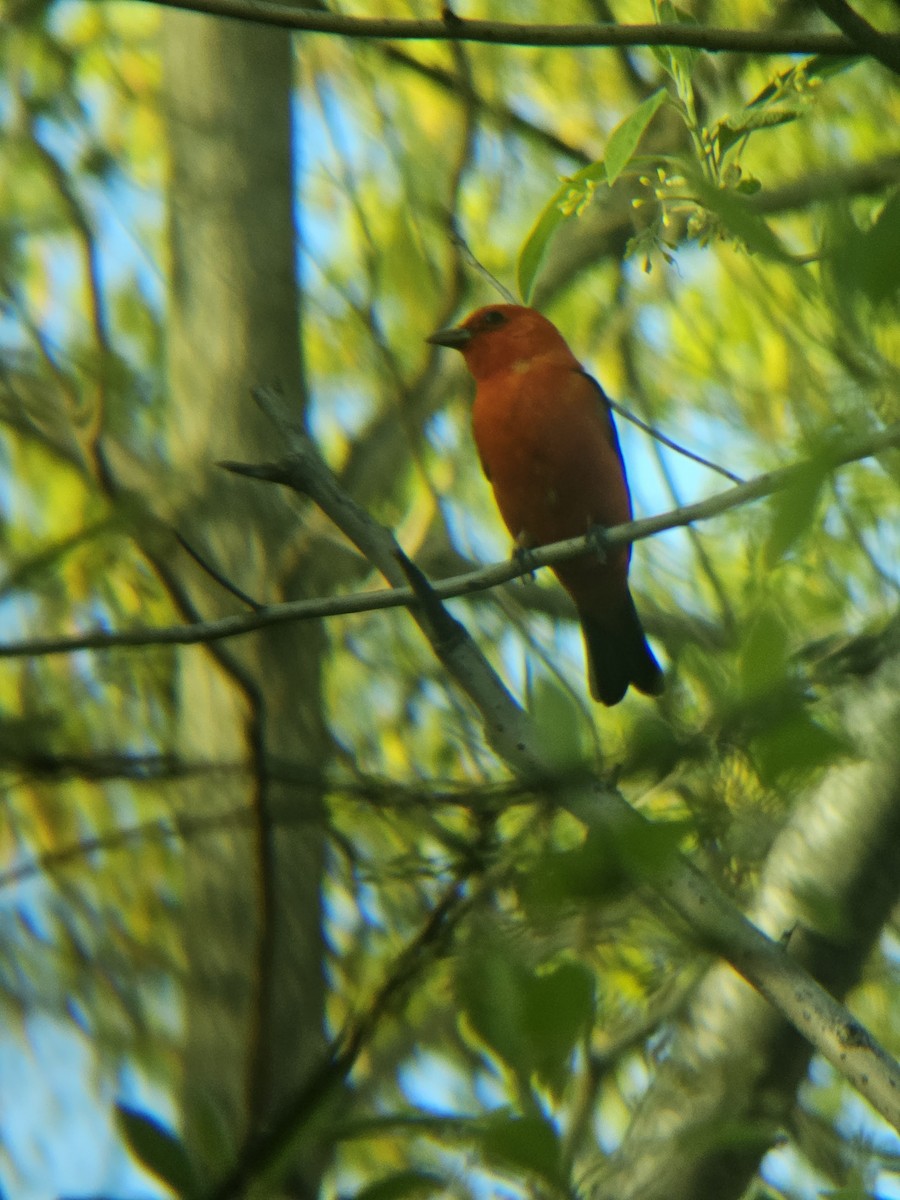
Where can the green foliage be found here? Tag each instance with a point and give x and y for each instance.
(532, 1020)
(861, 262)
(591, 871)
(581, 187)
(624, 139)
(562, 725)
(505, 1039)
(791, 748)
(794, 511)
(402, 1184)
(764, 654)
(159, 1150)
(577, 192)
(527, 1146)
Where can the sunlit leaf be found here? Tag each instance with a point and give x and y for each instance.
(740, 219)
(550, 218)
(624, 139)
(794, 510)
(750, 120)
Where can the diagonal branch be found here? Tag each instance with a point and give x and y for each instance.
(714, 919)
(868, 39)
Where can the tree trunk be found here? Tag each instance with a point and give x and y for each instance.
(253, 939)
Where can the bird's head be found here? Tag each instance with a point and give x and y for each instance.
(503, 337)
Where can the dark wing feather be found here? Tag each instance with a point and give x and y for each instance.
(607, 412)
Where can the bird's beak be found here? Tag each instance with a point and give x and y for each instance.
(457, 337)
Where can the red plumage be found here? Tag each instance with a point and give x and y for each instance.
(548, 445)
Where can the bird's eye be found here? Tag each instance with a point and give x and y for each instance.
(492, 318)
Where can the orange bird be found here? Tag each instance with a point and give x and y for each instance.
(548, 446)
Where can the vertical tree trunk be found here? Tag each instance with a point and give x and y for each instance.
(253, 936)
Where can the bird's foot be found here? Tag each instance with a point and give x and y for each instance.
(524, 559)
(597, 536)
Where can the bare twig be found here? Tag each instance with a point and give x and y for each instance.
(664, 440)
(867, 38)
(698, 37)
(495, 109)
(216, 575)
(463, 246)
(200, 632)
(262, 1150)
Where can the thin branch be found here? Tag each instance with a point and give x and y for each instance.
(91, 416)
(867, 38)
(463, 246)
(506, 726)
(201, 632)
(697, 37)
(261, 1151)
(373, 791)
(498, 111)
(216, 575)
(667, 441)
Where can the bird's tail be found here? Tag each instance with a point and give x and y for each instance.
(618, 655)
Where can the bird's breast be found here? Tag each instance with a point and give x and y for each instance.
(544, 439)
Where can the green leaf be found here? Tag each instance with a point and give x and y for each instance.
(574, 191)
(525, 1144)
(879, 277)
(591, 872)
(675, 59)
(532, 1019)
(157, 1149)
(764, 655)
(489, 984)
(550, 218)
(559, 1010)
(402, 1184)
(535, 244)
(559, 722)
(732, 129)
(865, 262)
(739, 219)
(654, 747)
(624, 139)
(646, 850)
(793, 747)
(794, 511)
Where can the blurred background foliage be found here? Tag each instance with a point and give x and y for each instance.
(736, 286)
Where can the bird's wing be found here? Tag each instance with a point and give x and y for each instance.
(607, 413)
